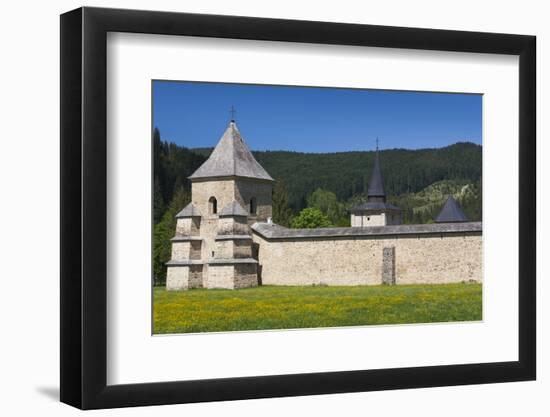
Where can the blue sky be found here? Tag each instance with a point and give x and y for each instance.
(309, 119)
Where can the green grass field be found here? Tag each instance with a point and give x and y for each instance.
(270, 307)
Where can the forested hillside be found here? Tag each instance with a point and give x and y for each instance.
(172, 164)
(424, 206)
(347, 173)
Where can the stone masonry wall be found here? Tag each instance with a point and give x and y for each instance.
(261, 190)
(375, 219)
(202, 191)
(195, 276)
(184, 277)
(188, 226)
(222, 190)
(226, 191)
(233, 226)
(246, 276)
(388, 265)
(357, 260)
(221, 276)
(186, 250)
(237, 248)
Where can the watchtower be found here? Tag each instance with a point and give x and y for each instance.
(229, 187)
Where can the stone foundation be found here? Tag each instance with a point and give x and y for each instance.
(232, 276)
(183, 277)
(246, 275)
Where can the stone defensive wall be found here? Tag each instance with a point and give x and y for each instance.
(400, 254)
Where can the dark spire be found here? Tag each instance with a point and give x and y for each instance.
(451, 212)
(376, 183)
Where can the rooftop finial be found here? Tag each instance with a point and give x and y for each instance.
(232, 111)
(376, 183)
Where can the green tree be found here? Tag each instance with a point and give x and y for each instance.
(310, 218)
(164, 231)
(172, 165)
(329, 205)
(282, 213)
(158, 201)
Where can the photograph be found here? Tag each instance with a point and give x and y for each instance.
(292, 207)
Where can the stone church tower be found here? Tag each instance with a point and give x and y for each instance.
(376, 211)
(213, 247)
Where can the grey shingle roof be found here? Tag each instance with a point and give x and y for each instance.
(376, 183)
(231, 261)
(271, 231)
(185, 238)
(188, 211)
(233, 237)
(375, 205)
(451, 212)
(233, 209)
(184, 262)
(231, 157)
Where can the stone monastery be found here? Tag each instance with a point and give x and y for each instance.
(225, 237)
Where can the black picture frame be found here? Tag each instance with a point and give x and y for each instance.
(84, 207)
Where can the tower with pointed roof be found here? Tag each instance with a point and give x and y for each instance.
(376, 211)
(213, 243)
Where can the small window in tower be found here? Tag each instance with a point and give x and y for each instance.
(212, 205)
(368, 219)
(253, 205)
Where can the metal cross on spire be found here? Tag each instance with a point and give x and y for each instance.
(232, 111)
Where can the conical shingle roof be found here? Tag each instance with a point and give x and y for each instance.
(451, 212)
(376, 196)
(231, 158)
(376, 183)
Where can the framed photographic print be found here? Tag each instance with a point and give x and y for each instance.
(257, 208)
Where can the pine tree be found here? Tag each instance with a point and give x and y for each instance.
(164, 231)
(158, 201)
(172, 164)
(282, 214)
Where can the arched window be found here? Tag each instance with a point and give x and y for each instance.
(253, 205)
(212, 205)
